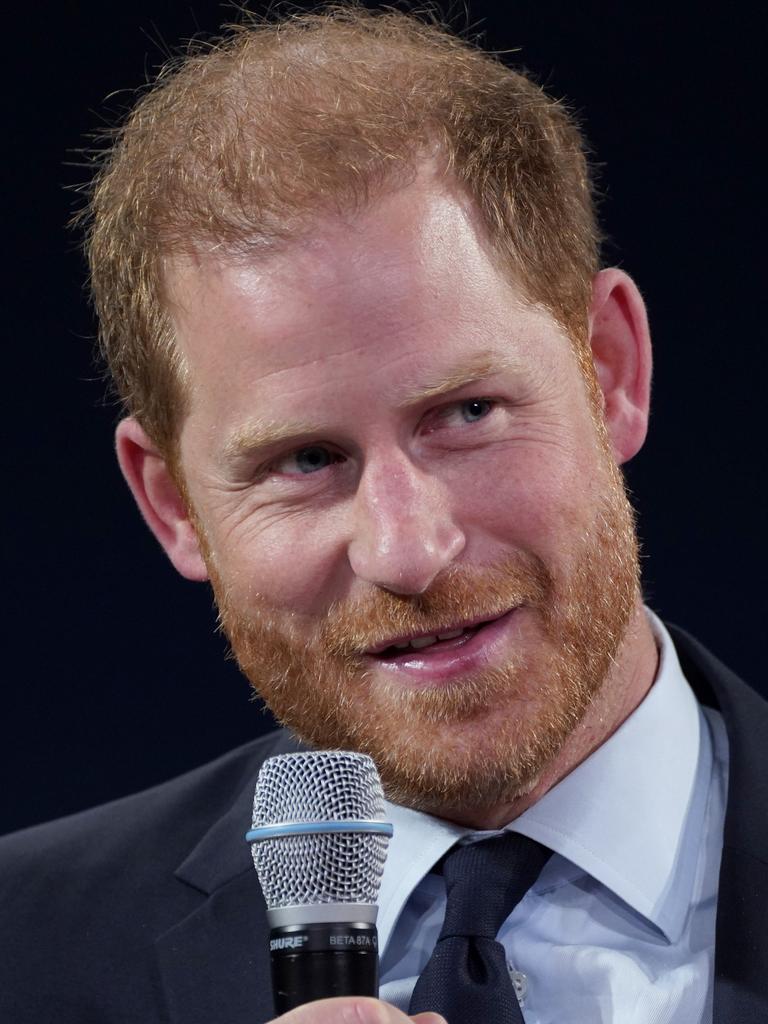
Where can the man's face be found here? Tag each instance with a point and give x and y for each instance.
(387, 445)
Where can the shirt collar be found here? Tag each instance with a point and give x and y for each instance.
(630, 815)
(417, 843)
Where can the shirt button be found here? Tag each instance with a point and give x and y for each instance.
(519, 983)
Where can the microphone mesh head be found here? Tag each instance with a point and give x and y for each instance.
(339, 867)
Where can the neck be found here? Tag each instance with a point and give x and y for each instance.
(626, 685)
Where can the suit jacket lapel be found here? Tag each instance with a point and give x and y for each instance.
(214, 963)
(741, 951)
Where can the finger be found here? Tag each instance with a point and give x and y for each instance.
(353, 1010)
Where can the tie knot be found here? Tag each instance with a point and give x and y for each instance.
(486, 880)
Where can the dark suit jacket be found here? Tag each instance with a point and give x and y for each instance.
(148, 909)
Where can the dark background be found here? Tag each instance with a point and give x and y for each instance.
(114, 677)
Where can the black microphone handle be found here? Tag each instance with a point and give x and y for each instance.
(321, 960)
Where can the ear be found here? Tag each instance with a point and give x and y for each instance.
(621, 350)
(159, 499)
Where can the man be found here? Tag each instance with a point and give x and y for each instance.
(377, 391)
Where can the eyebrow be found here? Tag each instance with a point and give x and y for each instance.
(257, 434)
(474, 370)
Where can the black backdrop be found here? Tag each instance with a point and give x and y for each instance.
(114, 677)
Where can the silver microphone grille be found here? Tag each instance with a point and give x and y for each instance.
(326, 867)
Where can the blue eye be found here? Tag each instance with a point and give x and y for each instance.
(310, 460)
(475, 409)
(305, 461)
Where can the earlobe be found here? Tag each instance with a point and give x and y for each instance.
(159, 499)
(621, 350)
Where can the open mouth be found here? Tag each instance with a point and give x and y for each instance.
(432, 643)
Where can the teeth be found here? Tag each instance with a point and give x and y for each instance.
(426, 641)
(423, 641)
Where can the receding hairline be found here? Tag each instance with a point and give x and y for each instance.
(429, 169)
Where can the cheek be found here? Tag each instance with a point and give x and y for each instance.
(539, 498)
(291, 564)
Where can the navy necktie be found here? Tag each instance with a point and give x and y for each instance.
(466, 978)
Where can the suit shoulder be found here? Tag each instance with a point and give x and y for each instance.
(159, 823)
(85, 897)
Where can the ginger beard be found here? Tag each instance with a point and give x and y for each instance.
(485, 739)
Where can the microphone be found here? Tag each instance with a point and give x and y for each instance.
(319, 842)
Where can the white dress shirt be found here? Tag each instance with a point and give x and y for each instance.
(620, 926)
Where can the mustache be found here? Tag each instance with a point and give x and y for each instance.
(458, 596)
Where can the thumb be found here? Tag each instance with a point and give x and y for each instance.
(353, 1010)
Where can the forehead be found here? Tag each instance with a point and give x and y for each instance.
(409, 280)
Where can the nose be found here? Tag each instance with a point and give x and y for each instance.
(404, 532)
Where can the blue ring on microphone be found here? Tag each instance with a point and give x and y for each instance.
(313, 828)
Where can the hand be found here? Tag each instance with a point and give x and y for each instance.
(353, 1010)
